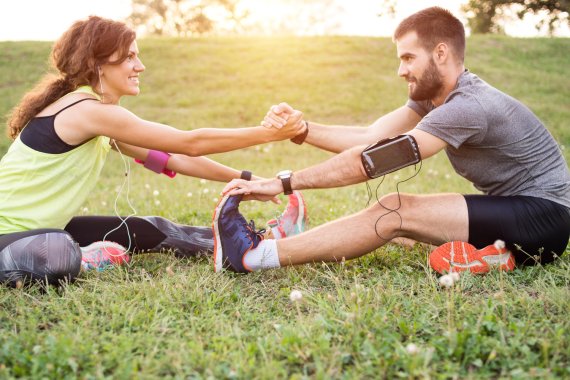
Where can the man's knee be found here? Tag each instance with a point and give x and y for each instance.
(52, 256)
(393, 202)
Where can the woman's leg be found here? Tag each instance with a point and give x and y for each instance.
(142, 234)
(39, 255)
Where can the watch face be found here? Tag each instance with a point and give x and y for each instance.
(284, 174)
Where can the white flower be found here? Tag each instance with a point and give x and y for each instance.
(215, 200)
(206, 191)
(296, 296)
(85, 210)
(446, 281)
(146, 186)
(157, 202)
(156, 193)
(499, 245)
(103, 203)
(189, 194)
(412, 349)
(202, 181)
(455, 276)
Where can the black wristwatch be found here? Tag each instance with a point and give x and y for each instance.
(285, 177)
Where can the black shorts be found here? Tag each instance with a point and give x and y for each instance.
(536, 230)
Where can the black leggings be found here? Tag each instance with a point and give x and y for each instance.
(54, 255)
(536, 230)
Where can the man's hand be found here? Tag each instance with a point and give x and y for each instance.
(262, 190)
(277, 116)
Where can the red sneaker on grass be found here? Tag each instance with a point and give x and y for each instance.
(458, 256)
(103, 254)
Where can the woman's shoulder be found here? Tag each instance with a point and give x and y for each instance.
(71, 100)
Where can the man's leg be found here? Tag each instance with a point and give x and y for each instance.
(424, 218)
(432, 219)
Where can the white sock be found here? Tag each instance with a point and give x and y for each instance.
(264, 256)
(276, 233)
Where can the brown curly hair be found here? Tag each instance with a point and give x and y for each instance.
(76, 56)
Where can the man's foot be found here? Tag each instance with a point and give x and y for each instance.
(294, 219)
(233, 236)
(103, 254)
(458, 256)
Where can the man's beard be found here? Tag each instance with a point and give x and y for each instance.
(429, 86)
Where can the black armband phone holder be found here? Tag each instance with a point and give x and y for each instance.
(389, 155)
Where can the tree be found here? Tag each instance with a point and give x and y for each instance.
(484, 15)
(184, 17)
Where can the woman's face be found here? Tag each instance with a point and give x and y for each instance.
(122, 79)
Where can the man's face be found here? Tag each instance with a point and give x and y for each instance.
(418, 68)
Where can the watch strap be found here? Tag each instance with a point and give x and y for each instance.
(286, 182)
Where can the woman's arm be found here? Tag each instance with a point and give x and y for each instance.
(199, 167)
(122, 125)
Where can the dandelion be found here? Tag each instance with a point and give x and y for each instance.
(499, 245)
(215, 200)
(85, 210)
(103, 203)
(446, 281)
(147, 186)
(202, 181)
(454, 276)
(156, 193)
(206, 191)
(296, 296)
(157, 202)
(189, 194)
(412, 349)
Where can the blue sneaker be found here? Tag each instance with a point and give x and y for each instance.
(233, 236)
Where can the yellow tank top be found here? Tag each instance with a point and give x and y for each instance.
(43, 190)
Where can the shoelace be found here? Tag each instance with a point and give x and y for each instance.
(251, 228)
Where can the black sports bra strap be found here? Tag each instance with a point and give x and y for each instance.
(72, 104)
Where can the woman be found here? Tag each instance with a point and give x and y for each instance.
(63, 130)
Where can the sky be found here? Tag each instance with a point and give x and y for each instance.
(48, 19)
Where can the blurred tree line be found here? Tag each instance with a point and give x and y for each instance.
(484, 16)
(198, 17)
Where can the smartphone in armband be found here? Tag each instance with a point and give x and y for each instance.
(389, 155)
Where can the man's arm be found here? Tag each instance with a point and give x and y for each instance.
(336, 139)
(341, 170)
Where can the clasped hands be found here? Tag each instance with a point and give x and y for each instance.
(281, 116)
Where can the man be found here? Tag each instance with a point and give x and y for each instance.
(490, 138)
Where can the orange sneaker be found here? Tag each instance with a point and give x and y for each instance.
(458, 256)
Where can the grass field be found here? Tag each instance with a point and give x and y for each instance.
(174, 318)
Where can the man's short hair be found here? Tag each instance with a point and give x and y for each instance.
(433, 26)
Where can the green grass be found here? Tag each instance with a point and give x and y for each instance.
(174, 318)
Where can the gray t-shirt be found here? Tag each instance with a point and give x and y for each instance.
(496, 142)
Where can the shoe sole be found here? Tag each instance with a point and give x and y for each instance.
(218, 254)
(458, 256)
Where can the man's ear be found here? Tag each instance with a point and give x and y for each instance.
(441, 52)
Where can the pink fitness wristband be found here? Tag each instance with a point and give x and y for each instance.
(156, 161)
